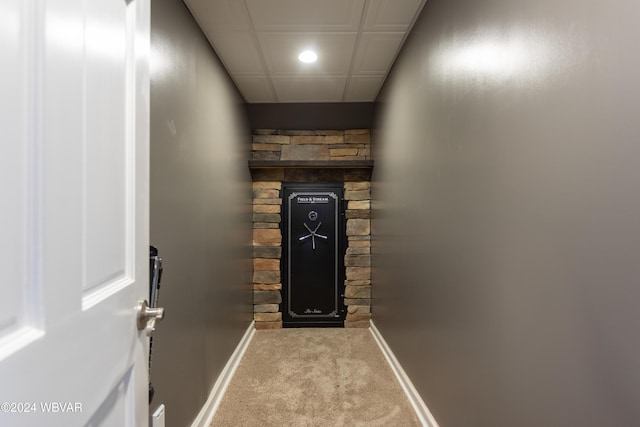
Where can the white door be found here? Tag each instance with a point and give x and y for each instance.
(74, 217)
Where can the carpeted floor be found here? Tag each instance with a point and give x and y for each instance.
(314, 377)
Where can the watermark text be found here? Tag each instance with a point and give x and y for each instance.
(41, 407)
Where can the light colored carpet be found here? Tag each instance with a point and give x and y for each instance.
(314, 377)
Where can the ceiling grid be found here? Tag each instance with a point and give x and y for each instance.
(258, 41)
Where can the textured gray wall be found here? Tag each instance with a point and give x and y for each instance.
(200, 212)
(312, 116)
(507, 212)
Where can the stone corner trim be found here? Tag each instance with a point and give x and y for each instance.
(267, 251)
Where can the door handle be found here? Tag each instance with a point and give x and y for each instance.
(148, 316)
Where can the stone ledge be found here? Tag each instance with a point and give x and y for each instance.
(311, 164)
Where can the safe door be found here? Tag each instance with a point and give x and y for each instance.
(313, 255)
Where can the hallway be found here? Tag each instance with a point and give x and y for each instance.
(498, 248)
(314, 377)
(460, 174)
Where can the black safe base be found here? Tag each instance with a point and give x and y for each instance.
(312, 325)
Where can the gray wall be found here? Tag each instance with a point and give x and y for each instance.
(200, 212)
(312, 116)
(507, 212)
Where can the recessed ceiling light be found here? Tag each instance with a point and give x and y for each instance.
(308, 56)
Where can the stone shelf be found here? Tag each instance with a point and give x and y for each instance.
(311, 164)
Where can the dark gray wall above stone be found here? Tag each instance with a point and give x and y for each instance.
(311, 116)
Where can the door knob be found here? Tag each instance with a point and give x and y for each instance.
(148, 316)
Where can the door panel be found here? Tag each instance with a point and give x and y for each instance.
(108, 149)
(20, 315)
(74, 247)
(314, 259)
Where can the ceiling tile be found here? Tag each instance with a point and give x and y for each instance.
(255, 89)
(306, 15)
(363, 88)
(220, 14)
(281, 50)
(391, 15)
(258, 41)
(309, 89)
(238, 52)
(376, 52)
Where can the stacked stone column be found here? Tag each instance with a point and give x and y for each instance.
(357, 259)
(267, 251)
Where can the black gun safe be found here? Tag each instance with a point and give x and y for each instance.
(313, 255)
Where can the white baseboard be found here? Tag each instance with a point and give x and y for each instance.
(210, 407)
(423, 413)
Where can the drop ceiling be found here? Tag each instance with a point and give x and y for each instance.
(258, 41)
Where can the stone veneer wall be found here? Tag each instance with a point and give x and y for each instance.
(326, 145)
